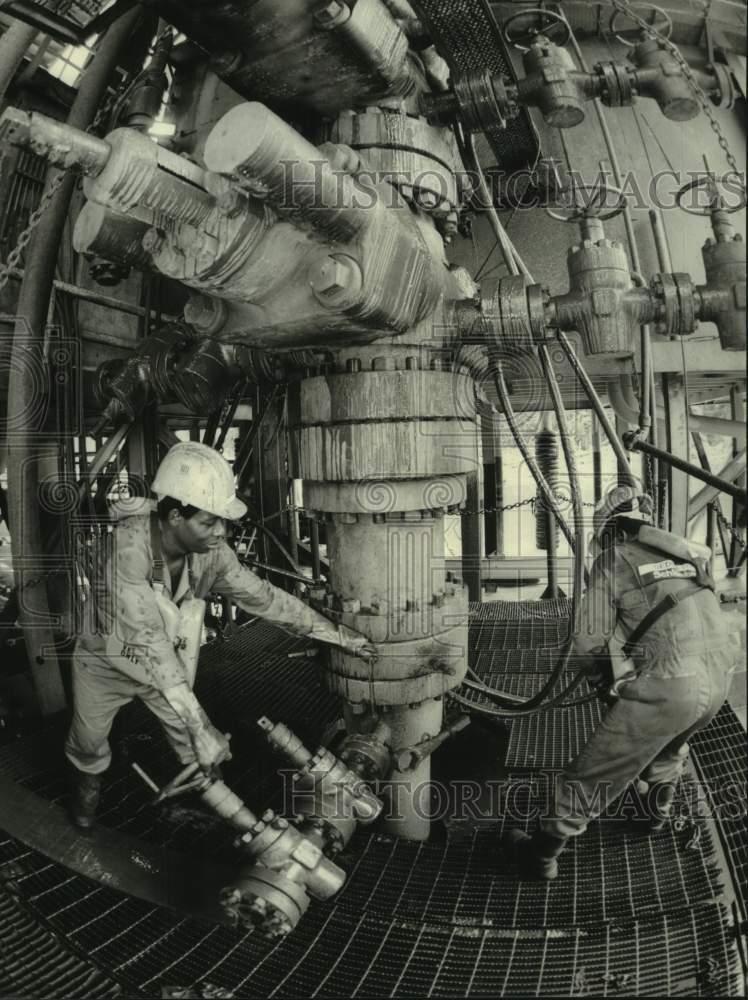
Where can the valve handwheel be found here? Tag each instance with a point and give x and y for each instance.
(710, 182)
(665, 28)
(548, 24)
(593, 208)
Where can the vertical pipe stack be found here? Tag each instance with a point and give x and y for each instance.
(380, 445)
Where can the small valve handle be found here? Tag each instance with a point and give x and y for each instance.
(716, 202)
(595, 206)
(554, 24)
(666, 30)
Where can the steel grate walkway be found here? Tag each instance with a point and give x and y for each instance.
(626, 916)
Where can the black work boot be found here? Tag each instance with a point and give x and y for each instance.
(659, 804)
(84, 799)
(534, 856)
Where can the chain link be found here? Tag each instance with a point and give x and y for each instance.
(651, 32)
(15, 255)
(727, 526)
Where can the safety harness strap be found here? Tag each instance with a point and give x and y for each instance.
(158, 558)
(665, 605)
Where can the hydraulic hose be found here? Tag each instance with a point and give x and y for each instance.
(576, 495)
(597, 405)
(26, 362)
(509, 708)
(540, 480)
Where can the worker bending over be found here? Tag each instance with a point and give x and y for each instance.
(650, 614)
(176, 547)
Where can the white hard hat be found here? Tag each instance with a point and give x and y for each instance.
(622, 501)
(196, 474)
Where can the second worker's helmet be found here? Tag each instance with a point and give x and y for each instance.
(198, 475)
(621, 501)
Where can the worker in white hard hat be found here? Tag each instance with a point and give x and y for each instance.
(650, 613)
(162, 555)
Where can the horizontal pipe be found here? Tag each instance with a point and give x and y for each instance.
(721, 485)
(96, 298)
(60, 144)
(734, 468)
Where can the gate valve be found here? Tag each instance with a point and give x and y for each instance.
(659, 75)
(553, 84)
(272, 895)
(330, 777)
(602, 302)
(722, 300)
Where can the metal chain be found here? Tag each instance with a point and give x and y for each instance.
(652, 33)
(728, 527)
(561, 497)
(498, 510)
(14, 257)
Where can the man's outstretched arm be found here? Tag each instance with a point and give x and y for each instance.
(258, 597)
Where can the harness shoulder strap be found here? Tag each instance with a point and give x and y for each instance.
(158, 558)
(665, 605)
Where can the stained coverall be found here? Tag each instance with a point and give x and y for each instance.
(683, 662)
(128, 653)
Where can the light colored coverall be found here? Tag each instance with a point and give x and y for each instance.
(129, 655)
(684, 664)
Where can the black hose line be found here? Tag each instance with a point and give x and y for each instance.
(540, 480)
(597, 406)
(538, 701)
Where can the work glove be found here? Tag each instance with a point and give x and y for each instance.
(324, 630)
(356, 644)
(211, 747)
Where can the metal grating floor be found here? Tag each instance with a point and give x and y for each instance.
(626, 917)
(721, 756)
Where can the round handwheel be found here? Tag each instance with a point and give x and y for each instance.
(547, 23)
(594, 208)
(664, 28)
(715, 200)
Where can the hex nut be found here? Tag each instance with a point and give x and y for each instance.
(336, 281)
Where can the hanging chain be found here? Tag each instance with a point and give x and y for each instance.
(727, 526)
(528, 501)
(651, 32)
(14, 257)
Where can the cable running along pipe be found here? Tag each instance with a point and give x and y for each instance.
(599, 409)
(538, 701)
(540, 480)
